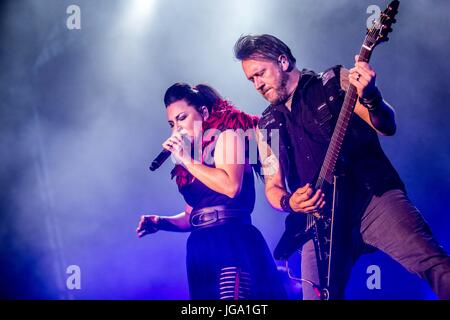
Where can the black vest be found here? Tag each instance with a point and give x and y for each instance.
(306, 130)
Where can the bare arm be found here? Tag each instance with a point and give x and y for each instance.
(152, 223)
(179, 222)
(274, 181)
(226, 177)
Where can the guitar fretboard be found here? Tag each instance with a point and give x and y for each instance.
(337, 139)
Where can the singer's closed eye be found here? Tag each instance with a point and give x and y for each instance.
(179, 117)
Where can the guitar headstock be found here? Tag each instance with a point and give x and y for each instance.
(382, 26)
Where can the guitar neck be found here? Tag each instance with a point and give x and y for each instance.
(337, 139)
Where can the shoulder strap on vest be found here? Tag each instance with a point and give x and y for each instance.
(331, 82)
(267, 119)
(306, 79)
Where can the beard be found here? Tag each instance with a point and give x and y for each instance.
(281, 92)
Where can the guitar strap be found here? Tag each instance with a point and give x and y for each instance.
(326, 112)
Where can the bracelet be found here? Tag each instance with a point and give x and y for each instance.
(284, 203)
(373, 102)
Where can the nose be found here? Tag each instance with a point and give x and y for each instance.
(258, 84)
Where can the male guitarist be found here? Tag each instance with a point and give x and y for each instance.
(304, 107)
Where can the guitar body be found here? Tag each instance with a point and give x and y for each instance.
(296, 232)
(331, 231)
(327, 234)
(332, 236)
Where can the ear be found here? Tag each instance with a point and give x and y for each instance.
(205, 113)
(283, 62)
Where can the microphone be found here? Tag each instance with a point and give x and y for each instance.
(159, 160)
(164, 154)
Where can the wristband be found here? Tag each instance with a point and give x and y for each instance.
(284, 203)
(373, 102)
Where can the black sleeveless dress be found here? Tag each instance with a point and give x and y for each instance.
(231, 260)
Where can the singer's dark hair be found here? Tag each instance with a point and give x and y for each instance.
(198, 96)
(264, 46)
(222, 115)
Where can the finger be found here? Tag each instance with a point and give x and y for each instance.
(319, 204)
(167, 146)
(298, 198)
(300, 195)
(358, 77)
(168, 141)
(177, 138)
(306, 187)
(145, 220)
(309, 193)
(141, 222)
(143, 233)
(303, 189)
(352, 70)
(322, 205)
(364, 65)
(176, 145)
(140, 230)
(365, 73)
(362, 82)
(310, 209)
(312, 202)
(304, 201)
(359, 86)
(173, 141)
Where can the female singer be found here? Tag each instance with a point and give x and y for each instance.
(227, 257)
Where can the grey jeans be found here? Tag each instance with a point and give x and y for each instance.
(392, 224)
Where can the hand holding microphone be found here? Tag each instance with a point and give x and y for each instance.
(175, 145)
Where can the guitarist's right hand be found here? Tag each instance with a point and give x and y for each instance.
(304, 200)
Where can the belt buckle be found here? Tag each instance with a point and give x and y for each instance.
(206, 223)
